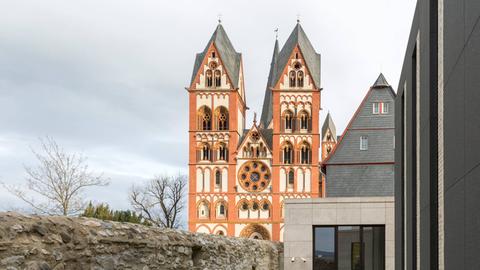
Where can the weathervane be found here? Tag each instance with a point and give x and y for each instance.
(276, 33)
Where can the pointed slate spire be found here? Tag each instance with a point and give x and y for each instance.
(267, 110)
(328, 124)
(312, 58)
(230, 58)
(381, 82)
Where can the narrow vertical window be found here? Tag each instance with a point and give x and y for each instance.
(209, 79)
(363, 143)
(376, 108)
(291, 179)
(292, 78)
(300, 79)
(385, 108)
(218, 179)
(218, 78)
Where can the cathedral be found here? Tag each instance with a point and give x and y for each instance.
(239, 173)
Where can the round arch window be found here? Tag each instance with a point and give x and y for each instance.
(254, 176)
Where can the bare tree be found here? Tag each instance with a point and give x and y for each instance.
(58, 179)
(161, 200)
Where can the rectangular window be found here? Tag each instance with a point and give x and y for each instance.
(363, 143)
(384, 108)
(376, 108)
(349, 248)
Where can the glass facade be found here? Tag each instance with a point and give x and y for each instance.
(349, 248)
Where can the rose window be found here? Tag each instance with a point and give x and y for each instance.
(254, 176)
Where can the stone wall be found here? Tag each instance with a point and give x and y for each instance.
(35, 242)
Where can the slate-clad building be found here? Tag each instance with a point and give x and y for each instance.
(362, 163)
(352, 226)
(437, 187)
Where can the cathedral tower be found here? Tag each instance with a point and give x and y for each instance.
(216, 122)
(239, 177)
(329, 136)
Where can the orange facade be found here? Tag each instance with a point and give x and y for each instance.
(240, 176)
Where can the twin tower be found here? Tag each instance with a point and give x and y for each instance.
(239, 176)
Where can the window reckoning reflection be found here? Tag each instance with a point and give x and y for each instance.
(349, 248)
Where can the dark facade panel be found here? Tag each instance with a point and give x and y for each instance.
(472, 98)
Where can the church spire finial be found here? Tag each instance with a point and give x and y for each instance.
(298, 18)
(219, 18)
(255, 118)
(276, 33)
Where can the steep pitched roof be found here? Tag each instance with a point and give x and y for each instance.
(379, 129)
(381, 82)
(312, 59)
(230, 58)
(328, 124)
(267, 110)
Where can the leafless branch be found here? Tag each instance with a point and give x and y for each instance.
(161, 200)
(59, 178)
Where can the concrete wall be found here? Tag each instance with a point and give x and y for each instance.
(44, 243)
(302, 214)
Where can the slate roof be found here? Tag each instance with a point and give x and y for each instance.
(378, 127)
(267, 109)
(381, 82)
(328, 124)
(365, 172)
(230, 58)
(312, 59)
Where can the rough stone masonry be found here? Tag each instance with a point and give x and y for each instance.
(44, 242)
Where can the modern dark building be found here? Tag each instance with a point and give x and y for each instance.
(437, 157)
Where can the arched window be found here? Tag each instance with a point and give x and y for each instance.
(292, 78)
(288, 121)
(205, 152)
(291, 179)
(209, 79)
(304, 119)
(305, 153)
(300, 78)
(203, 211)
(218, 78)
(218, 179)
(222, 152)
(221, 209)
(287, 154)
(204, 118)
(221, 115)
(220, 233)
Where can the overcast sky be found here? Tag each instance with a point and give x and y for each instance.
(107, 78)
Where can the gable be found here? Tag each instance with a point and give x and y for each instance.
(211, 62)
(378, 128)
(296, 64)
